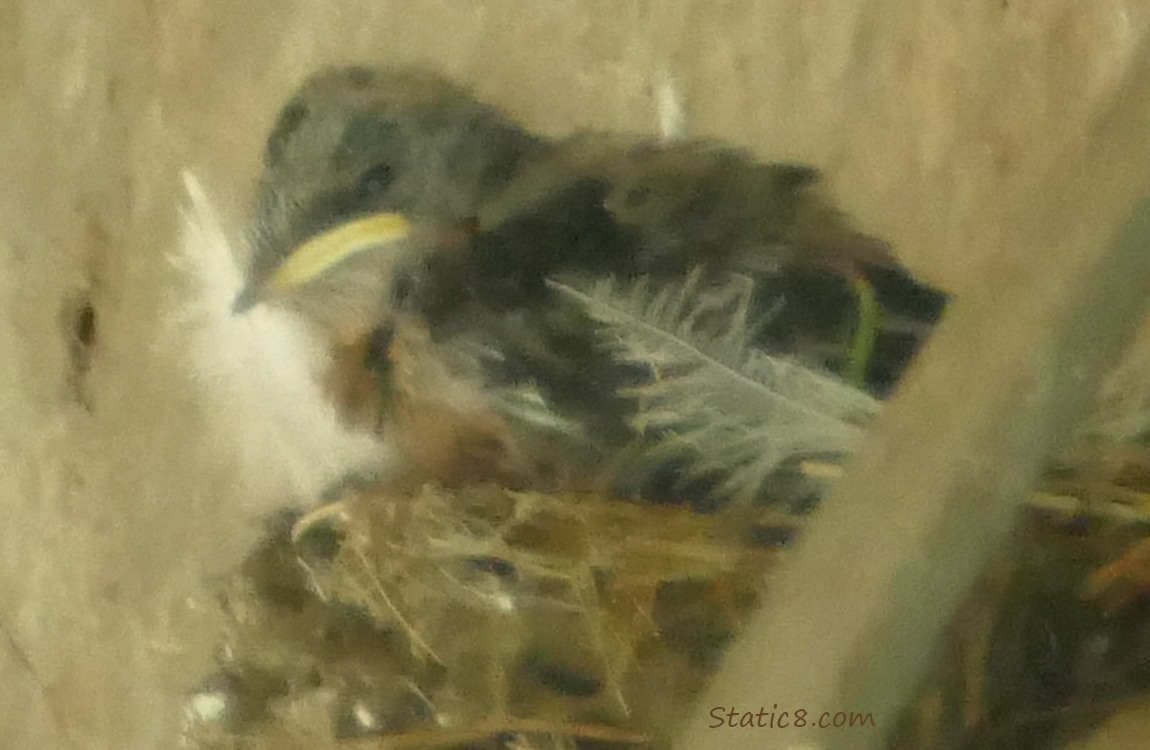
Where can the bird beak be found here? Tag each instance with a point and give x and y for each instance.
(322, 252)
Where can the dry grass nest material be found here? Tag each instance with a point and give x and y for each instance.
(448, 618)
(486, 617)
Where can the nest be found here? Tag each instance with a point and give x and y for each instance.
(487, 617)
(447, 618)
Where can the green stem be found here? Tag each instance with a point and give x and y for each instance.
(865, 333)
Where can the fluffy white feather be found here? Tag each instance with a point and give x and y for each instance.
(259, 371)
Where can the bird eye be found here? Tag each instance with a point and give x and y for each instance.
(367, 137)
(375, 181)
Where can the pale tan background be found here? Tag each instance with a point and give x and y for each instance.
(933, 119)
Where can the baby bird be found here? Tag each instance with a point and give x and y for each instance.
(436, 243)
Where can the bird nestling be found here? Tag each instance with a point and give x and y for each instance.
(511, 307)
(540, 328)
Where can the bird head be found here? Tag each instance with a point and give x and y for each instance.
(366, 171)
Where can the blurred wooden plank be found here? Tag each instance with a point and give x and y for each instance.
(27, 718)
(855, 620)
